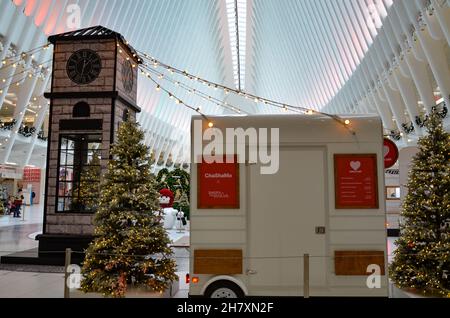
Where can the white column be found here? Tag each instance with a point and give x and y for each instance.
(437, 59)
(26, 90)
(395, 101)
(406, 88)
(442, 13)
(419, 74)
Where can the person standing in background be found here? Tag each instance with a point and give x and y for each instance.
(33, 195)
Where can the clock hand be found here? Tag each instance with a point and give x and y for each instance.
(84, 66)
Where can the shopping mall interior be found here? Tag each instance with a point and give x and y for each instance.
(355, 201)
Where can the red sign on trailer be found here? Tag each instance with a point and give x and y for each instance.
(390, 151)
(356, 182)
(218, 185)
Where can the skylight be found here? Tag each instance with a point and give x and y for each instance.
(237, 27)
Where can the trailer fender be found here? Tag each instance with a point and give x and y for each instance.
(225, 277)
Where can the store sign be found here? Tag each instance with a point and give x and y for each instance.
(32, 175)
(390, 151)
(218, 185)
(356, 182)
(8, 174)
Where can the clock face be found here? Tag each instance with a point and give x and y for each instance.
(84, 66)
(127, 76)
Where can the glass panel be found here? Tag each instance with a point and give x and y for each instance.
(61, 205)
(79, 173)
(68, 204)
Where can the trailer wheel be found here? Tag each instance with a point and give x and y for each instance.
(224, 289)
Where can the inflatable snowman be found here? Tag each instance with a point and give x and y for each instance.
(169, 213)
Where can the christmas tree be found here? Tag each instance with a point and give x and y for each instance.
(130, 247)
(89, 187)
(422, 258)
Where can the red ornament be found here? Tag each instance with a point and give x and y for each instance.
(411, 244)
(390, 153)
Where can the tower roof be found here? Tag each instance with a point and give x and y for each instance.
(94, 33)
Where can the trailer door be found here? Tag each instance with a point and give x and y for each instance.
(284, 210)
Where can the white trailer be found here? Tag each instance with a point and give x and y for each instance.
(257, 247)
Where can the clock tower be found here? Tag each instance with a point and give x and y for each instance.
(93, 90)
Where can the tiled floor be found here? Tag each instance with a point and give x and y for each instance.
(17, 235)
(31, 282)
(33, 215)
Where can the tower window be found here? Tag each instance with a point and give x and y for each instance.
(79, 173)
(126, 115)
(81, 109)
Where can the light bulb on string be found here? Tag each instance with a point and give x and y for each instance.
(309, 112)
(347, 122)
(210, 124)
(158, 88)
(256, 100)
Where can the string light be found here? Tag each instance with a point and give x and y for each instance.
(347, 122)
(158, 88)
(227, 90)
(210, 124)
